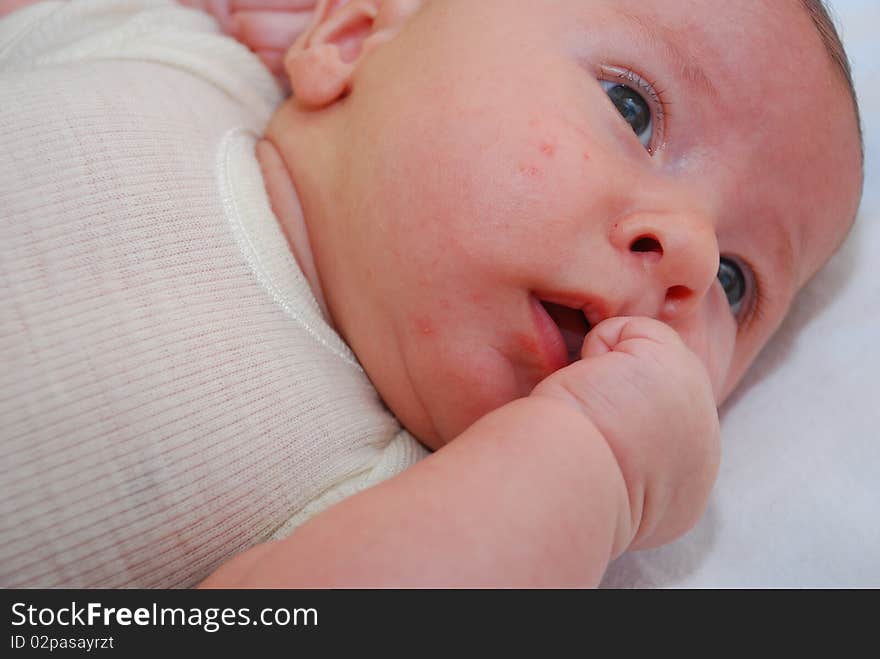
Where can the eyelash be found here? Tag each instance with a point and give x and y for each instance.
(655, 95)
(759, 297)
(754, 310)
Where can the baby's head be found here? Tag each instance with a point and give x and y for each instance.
(466, 167)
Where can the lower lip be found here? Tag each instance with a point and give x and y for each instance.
(550, 340)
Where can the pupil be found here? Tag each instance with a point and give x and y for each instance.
(632, 106)
(733, 281)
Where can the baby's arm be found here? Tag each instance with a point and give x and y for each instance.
(529, 496)
(618, 450)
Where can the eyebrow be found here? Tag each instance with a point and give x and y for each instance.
(667, 40)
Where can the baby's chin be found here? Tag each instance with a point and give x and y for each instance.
(454, 418)
(451, 400)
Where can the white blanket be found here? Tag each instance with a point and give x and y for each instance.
(798, 499)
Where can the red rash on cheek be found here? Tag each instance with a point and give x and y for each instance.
(527, 344)
(424, 326)
(530, 171)
(548, 149)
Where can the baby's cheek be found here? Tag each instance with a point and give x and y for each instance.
(711, 335)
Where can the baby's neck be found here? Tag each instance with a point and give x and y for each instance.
(286, 206)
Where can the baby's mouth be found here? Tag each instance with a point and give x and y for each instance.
(573, 326)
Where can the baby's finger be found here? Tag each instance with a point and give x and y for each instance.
(602, 338)
(612, 334)
(269, 30)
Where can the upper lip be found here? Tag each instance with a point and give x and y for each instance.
(594, 308)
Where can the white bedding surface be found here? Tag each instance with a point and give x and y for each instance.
(797, 503)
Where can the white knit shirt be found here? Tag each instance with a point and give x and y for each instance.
(170, 393)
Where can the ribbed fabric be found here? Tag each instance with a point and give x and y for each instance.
(170, 394)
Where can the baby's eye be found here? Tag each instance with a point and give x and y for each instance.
(633, 107)
(734, 283)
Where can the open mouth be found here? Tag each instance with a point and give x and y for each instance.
(572, 325)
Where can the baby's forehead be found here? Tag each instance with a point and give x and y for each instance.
(735, 33)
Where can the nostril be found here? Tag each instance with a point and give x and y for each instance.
(647, 245)
(678, 293)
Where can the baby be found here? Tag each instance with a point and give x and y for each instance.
(554, 235)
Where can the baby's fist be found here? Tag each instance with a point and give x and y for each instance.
(652, 400)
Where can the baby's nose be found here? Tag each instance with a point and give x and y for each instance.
(678, 252)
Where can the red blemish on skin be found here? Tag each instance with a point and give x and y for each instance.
(586, 156)
(529, 170)
(424, 327)
(534, 122)
(527, 344)
(548, 149)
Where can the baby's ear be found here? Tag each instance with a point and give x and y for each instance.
(323, 60)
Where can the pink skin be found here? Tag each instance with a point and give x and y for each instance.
(267, 27)
(474, 165)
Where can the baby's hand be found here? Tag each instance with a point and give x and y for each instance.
(267, 27)
(652, 400)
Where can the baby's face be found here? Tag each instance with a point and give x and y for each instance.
(514, 161)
